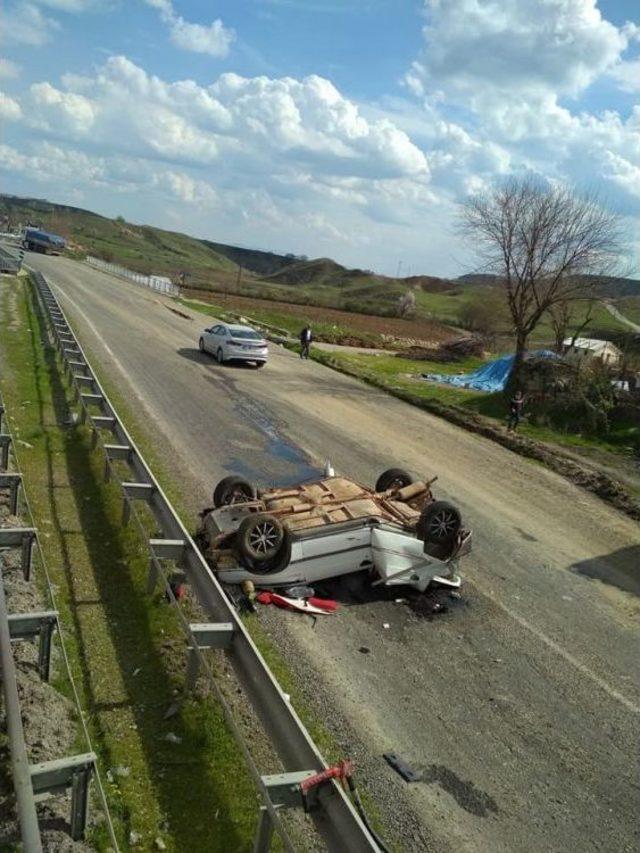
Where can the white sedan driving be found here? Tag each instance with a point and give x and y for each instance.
(229, 342)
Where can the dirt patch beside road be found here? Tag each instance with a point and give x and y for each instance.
(424, 331)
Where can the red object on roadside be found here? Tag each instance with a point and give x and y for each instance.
(315, 606)
(341, 771)
(324, 604)
(177, 588)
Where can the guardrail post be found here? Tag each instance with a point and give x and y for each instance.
(23, 537)
(5, 442)
(264, 833)
(206, 635)
(12, 482)
(56, 777)
(283, 790)
(23, 626)
(163, 549)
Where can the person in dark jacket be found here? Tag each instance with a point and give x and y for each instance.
(305, 342)
(516, 405)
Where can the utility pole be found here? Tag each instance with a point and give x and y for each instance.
(239, 276)
(399, 268)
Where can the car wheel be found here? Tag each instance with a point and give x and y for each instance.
(394, 478)
(201, 345)
(233, 490)
(220, 356)
(262, 544)
(260, 364)
(439, 523)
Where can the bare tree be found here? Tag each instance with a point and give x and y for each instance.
(543, 243)
(485, 313)
(564, 315)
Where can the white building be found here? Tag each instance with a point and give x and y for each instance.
(588, 349)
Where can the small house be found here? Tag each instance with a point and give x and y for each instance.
(584, 350)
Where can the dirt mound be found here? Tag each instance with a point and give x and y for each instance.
(448, 351)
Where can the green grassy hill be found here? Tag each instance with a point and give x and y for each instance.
(284, 278)
(138, 247)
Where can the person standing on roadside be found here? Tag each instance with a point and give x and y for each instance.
(305, 342)
(516, 406)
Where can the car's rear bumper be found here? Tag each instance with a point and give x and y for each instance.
(246, 357)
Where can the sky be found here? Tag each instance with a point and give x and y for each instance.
(352, 129)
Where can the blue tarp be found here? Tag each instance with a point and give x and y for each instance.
(490, 377)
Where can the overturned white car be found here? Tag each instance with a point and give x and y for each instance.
(326, 528)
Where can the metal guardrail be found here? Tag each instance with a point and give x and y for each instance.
(25, 800)
(36, 782)
(335, 817)
(161, 284)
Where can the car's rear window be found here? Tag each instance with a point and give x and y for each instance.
(245, 334)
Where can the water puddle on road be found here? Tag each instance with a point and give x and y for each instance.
(280, 462)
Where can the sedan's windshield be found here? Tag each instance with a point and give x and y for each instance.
(245, 334)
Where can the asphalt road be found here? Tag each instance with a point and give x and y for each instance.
(521, 703)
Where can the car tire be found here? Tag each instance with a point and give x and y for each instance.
(201, 345)
(439, 523)
(219, 356)
(233, 490)
(394, 477)
(260, 364)
(262, 543)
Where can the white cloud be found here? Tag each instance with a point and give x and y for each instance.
(514, 46)
(70, 5)
(246, 121)
(9, 108)
(627, 75)
(8, 69)
(74, 113)
(24, 23)
(53, 163)
(214, 39)
(624, 173)
(513, 72)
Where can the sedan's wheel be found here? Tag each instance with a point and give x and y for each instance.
(260, 364)
(220, 356)
(201, 345)
(262, 543)
(440, 522)
(233, 490)
(394, 478)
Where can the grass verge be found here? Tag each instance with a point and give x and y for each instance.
(399, 374)
(127, 651)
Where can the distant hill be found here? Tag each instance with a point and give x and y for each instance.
(605, 287)
(140, 247)
(321, 271)
(256, 260)
(268, 275)
(480, 279)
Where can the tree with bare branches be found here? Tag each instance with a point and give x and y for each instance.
(544, 243)
(565, 315)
